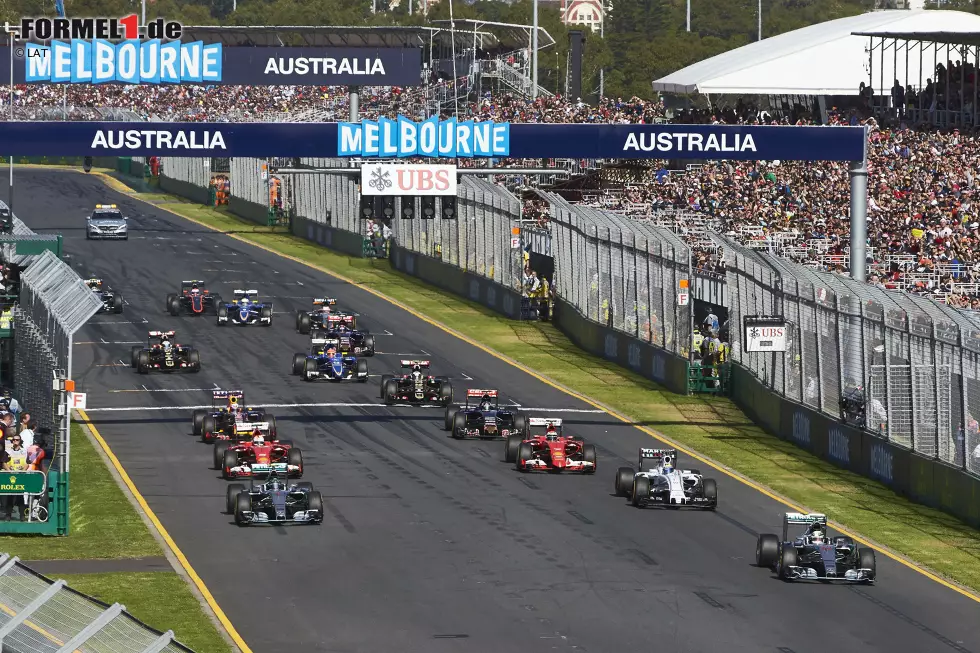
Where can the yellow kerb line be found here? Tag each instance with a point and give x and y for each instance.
(626, 420)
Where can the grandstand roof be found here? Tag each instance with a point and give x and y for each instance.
(944, 38)
(391, 36)
(823, 59)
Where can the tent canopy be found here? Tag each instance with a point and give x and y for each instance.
(829, 58)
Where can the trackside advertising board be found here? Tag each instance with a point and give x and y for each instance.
(482, 140)
(407, 179)
(115, 50)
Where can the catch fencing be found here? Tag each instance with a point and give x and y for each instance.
(38, 615)
(54, 304)
(478, 241)
(911, 364)
(622, 273)
(326, 199)
(196, 171)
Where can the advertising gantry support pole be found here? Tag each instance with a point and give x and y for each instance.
(858, 174)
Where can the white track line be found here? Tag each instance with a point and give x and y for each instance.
(144, 389)
(107, 342)
(120, 409)
(143, 321)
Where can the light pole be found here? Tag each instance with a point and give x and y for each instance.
(606, 10)
(10, 196)
(760, 19)
(143, 15)
(534, 54)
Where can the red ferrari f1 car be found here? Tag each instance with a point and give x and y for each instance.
(258, 457)
(550, 451)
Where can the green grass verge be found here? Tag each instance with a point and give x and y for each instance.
(103, 525)
(715, 427)
(161, 600)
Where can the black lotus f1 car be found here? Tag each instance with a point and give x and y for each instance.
(481, 417)
(416, 388)
(163, 354)
(277, 501)
(112, 302)
(814, 555)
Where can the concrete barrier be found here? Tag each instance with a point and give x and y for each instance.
(324, 235)
(185, 189)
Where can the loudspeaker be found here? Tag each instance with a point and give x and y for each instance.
(367, 207)
(408, 207)
(449, 207)
(428, 207)
(387, 207)
(87, 164)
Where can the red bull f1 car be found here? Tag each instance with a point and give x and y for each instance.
(245, 311)
(112, 302)
(416, 387)
(193, 299)
(814, 555)
(164, 354)
(551, 450)
(277, 501)
(481, 417)
(231, 419)
(258, 457)
(658, 482)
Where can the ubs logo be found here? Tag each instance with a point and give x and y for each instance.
(801, 429)
(611, 346)
(881, 462)
(633, 355)
(658, 368)
(474, 290)
(491, 296)
(839, 446)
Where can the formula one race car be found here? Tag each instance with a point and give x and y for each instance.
(814, 555)
(415, 387)
(358, 343)
(163, 354)
(551, 450)
(319, 317)
(659, 483)
(326, 363)
(193, 299)
(277, 501)
(258, 457)
(112, 302)
(482, 417)
(245, 310)
(230, 418)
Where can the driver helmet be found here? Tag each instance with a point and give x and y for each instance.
(817, 536)
(552, 432)
(668, 465)
(485, 403)
(166, 344)
(332, 352)
(257, 438)
(243, 301)
(417, 373)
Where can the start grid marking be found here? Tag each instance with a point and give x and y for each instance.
(130, 409)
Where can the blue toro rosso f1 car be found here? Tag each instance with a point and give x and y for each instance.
(245, 311)
(326, 362)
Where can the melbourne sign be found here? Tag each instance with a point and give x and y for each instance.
(22, 483)
(432, 138)
(407, 179)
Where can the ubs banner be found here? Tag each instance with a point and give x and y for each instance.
(94, 62)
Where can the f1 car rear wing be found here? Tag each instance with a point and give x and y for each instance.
(544, 422)
(191, 282)
(243, 427)
(472, 392)
(324, 301)
(228, 394)
(802, 519)
(409, 364)
(93, 282)
(245, 293)
(162, 334)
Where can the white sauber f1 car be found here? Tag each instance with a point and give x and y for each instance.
(659, 483)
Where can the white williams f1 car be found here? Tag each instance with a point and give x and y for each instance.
(659, 483)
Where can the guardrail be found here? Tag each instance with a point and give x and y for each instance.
(39, 615)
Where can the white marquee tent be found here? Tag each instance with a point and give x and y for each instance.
(823, 59)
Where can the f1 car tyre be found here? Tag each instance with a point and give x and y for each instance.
(305, 486)
(266, 313)
(446, 392)
(391, 389)
(624, 481)
(589, 456)
(316, 503)
(208, 426)
(866, 560)
(384, 384)
(231, 497)
(299, 360)
(362, 368)
(295, 457)
(198, 420)
(174, 307)
(368, 345)
(222, 312)
(243, 504)
(271, 419)
(194, 360)
(135, 356)
(459, 423)
(143, 362)
(230, 460)
(520, 422)
(512, 447)
(524, 452)
(449, 417)
(711, 490)
(220, 447)
(766, 550)
(309, 367)
(117, 303)
(787, 558)
(170, 300)
(641, 490)
(303, 323)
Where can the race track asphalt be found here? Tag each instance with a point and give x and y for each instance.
(429, 544)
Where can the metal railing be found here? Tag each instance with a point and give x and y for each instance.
(622, 273)
(38, 615)
(902, 366)
(479, 240)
